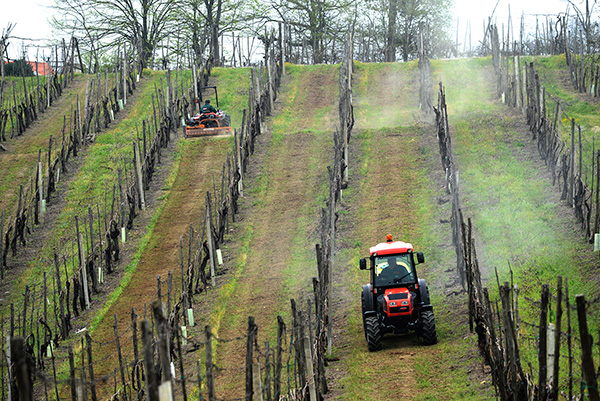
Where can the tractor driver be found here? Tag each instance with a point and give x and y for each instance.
(394, 273)
(207, 107)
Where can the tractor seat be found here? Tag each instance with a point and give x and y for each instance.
(208, 115)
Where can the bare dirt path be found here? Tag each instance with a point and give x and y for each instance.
(185, 205)
(289, 171)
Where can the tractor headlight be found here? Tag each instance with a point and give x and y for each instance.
(392, 303)
(404, 303)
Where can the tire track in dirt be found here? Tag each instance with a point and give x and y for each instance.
(283, 223)
(184, 205)
(386, 206)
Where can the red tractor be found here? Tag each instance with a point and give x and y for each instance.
(395, 301)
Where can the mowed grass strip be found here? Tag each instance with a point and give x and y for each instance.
(386, 94)
(392, 190)
(395, 196)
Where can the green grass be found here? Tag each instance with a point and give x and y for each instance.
(113, 150)
(145, 240)
(386, 102)
(436, 371)
(297, 280)
(516, 213)
(299, 112)
(233, 87)
(585, 109)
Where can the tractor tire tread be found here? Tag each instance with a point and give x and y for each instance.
(373, 333)
(428, 332)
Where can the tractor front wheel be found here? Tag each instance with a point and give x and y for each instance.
(428, 332)
(373, 333)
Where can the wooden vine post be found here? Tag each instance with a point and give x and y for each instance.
(210, 384)
(151, 382)
(557, 332)
(84, 280)
(542, 348)
(251, 335)
(139, 176)
(589, 381)
(209, 235)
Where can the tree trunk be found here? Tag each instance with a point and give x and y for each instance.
(390, 48)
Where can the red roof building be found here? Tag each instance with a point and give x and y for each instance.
(41, 68)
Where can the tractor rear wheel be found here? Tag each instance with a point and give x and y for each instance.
(428, 332)
(373, 333)
(226, 121)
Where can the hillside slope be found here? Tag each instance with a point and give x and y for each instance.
(19, 162)
(282, 209)
(396, 187)
(178, 204)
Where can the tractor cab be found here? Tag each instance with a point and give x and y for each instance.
(395, 300)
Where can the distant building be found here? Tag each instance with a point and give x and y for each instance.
(41, 68)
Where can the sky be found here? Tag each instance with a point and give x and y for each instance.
(31, 19)
(476, 11)
(31, 16)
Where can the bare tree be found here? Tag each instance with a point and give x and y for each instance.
(398, 25)
(110, 23)
(3, 44)
(584, 18)
(316, 22)
(206, 21)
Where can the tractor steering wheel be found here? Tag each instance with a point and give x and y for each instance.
(399, 280)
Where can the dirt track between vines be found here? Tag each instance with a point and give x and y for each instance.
(184, 206)
(387, 162)
(292, 169)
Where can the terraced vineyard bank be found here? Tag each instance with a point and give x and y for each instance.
(225, 267)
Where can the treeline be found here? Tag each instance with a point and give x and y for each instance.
(233, 32)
